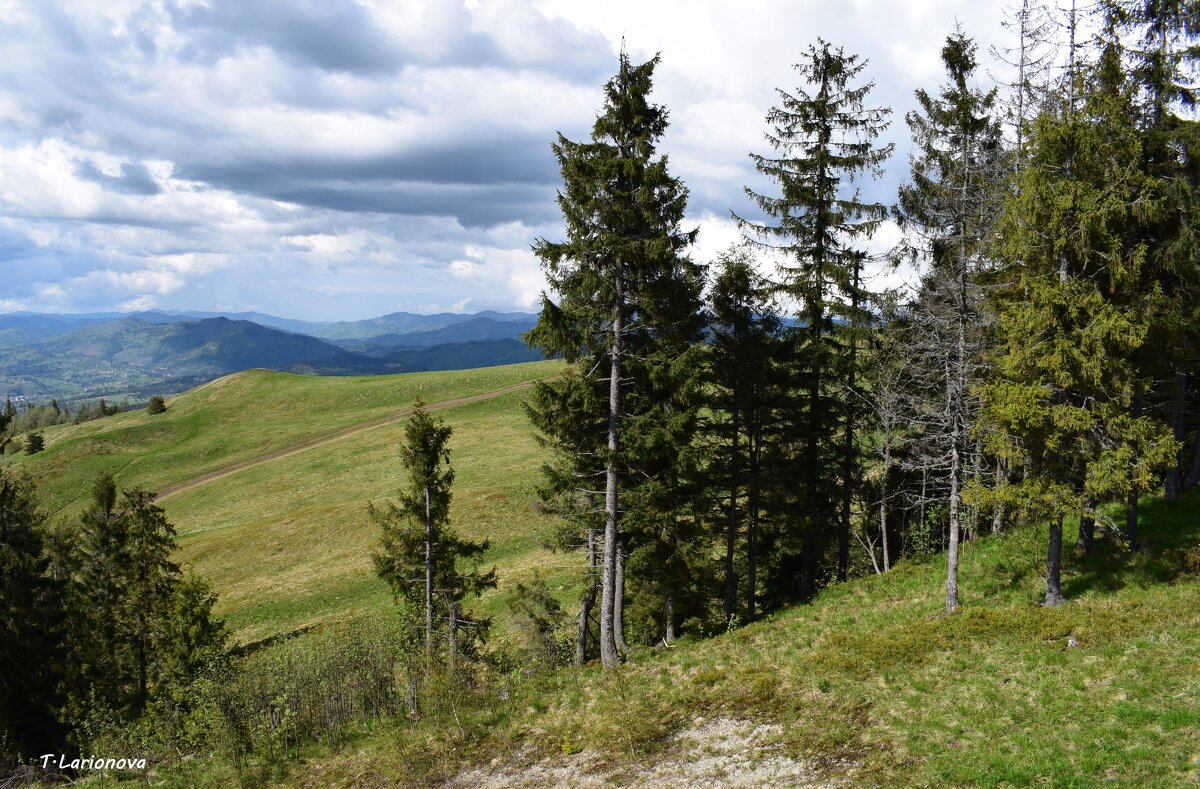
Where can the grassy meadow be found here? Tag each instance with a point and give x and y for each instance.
(287, 542)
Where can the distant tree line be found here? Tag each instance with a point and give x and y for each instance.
(733, 436)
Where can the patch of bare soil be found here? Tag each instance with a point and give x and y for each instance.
(715, 754)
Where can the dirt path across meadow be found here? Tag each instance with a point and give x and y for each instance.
(329, 438)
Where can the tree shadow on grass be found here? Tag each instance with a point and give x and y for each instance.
(1166, 531)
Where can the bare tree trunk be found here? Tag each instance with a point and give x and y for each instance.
(619, 603)
(587, 601)
(998, 508)
(413, 713)
(883, 530)
(669, 614)
(608, 594)
(453, 654)
(952, 553)
(957, 406)
(428, 579)
(1054, 594)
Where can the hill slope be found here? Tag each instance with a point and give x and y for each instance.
(282, 533)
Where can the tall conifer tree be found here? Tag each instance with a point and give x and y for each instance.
(823, 135)
(623, 292)
(1071, 319)
(945, 211)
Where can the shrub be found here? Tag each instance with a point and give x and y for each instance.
(34, 443)
(156, 405)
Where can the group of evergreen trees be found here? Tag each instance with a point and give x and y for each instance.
(96, 622)
(712, 455)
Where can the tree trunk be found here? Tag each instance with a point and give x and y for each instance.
(1193, 477)
(428, 578)
(619, 604)
(843, 566)
(1174, 478)
(669, 614)
(453, 655)
(808, 567)
(883, 529)
(1131, 519)
(998, 508)
(1054, 594)
(957, 405)
(952, 552)
(731, 524)
(413, 713)
(1087, 527)
(608, 593)
(752, 536)
(588, 601)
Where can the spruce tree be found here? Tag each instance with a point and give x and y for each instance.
(823, 135)
(624, 294)
(419, 551)
(1071, 317)
(741, 373)
(1158, 38)
(128, 634)
(33, 656)
(945, 211)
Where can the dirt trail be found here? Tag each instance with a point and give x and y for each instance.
(329, 438)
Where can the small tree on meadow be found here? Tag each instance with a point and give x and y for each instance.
(156, 405)
(418, 554)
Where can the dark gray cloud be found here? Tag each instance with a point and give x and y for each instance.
(134, 179)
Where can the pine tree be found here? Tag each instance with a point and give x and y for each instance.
(419, 551)
(620, 280)
(824, 137)
(945, 211)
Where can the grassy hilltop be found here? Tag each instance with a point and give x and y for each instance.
(285, 538)
(870, 683)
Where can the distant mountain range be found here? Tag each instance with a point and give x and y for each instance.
(81, 356)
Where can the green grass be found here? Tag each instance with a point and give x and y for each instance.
(875, 685)
(287, 543)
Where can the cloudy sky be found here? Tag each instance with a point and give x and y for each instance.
(339, 159)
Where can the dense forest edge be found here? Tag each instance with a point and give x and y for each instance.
(819, 532)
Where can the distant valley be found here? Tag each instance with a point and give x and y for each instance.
(76, 357)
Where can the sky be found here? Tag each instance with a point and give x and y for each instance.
(342, 159)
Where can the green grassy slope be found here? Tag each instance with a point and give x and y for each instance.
(874, 684)
(287, 542)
